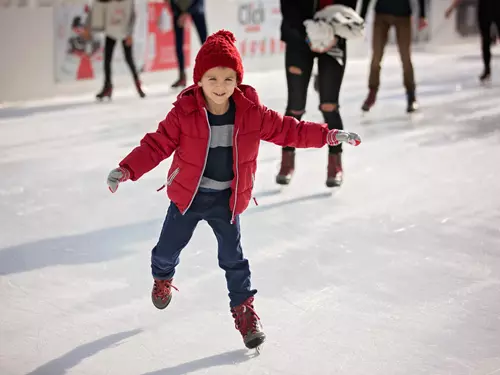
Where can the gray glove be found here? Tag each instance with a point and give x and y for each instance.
(334, 137)
(116, 176)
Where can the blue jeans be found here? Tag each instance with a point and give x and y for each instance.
(178, 229)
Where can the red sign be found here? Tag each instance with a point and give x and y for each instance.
(160, 43)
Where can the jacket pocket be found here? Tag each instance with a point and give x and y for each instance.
(172, 176)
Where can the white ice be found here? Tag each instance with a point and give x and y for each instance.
(397, 272)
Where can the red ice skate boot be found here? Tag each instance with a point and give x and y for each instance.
(162, 293)
(181, 82)
(334, 172)
(106, 92)
(138, 86)
(247, 322)
(370, 100)
(287, 167)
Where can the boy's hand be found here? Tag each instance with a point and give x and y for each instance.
(116, 176)
(335, 136)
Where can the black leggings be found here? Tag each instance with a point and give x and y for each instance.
(201, 26)
(330, 76)
(109, 47)
(488, 14)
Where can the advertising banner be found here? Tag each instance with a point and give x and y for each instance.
(258, 28)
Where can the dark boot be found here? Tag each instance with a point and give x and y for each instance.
(287, 167)
(370, 100)
(485, 76)
(181, 82)
(106, 91)
(161, 295)
(138, 86)
(334, 171)
(247, 322)
(412, 105)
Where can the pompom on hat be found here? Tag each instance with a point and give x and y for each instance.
(218, 50)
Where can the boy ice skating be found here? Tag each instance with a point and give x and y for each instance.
(215, 128)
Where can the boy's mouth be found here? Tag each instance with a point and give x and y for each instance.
(219, 95)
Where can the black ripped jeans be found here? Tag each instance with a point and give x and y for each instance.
(330, 76)
(488, 14)
(109, 47)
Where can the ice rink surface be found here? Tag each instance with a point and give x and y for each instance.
(397, 272)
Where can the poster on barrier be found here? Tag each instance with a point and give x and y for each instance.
(80, 59)
(258, 28)
(160, 44)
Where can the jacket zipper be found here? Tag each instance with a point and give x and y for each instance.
(237, 175)
(174, 174)
(205, 164)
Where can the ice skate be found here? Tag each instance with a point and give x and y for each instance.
(287, 167)
(248, 323)
(161, 294)
(138, 86)
(181, 82)
(106, 92)
(334, 171)
(412, 104)
(485, 77)
(369, 101)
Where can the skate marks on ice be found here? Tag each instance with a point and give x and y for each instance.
(61, 365)
(230, 358)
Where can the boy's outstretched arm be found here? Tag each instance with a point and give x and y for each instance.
(154, 148)
(288, 131)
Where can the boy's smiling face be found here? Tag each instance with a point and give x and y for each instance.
(218, 84)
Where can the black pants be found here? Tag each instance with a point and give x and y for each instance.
(201, 27)
(330, 76)
(488, 14)
(109, 47)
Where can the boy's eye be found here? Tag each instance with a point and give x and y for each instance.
(212, 79)
(229, 79)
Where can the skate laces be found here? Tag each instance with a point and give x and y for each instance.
(161, 288)
(245, 317)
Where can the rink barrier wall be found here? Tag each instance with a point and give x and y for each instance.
(33, 47)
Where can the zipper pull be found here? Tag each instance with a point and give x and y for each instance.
(161, 188)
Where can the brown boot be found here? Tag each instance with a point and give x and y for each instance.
(334, 175)
(287, 167)
(370, 100)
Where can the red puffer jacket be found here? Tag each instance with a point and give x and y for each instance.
(186, 130)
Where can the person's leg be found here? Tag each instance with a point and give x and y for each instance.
(109, 47)
(200, 23)
(330, 75)
(179, 45)
(403, 37)
(485, 20)
(129, 58)
(299, 60)
(176, 232)
(380, 35)
(237, 269)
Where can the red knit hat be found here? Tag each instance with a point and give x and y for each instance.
(218, 50)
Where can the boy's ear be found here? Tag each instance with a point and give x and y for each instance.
(199, 83)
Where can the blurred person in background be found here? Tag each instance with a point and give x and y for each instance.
(300, 55)
(181, 11)
(116, 18)
(397, 13)
(488, 13)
